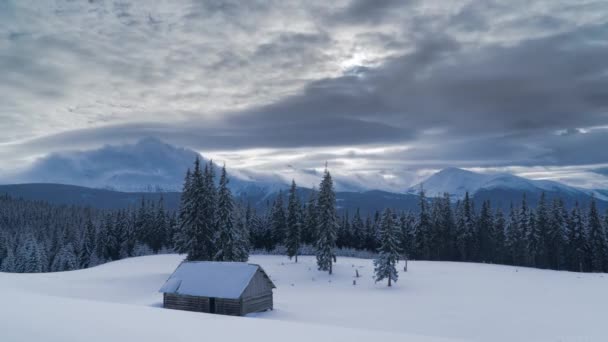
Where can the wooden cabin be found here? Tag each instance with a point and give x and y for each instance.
(225, 288)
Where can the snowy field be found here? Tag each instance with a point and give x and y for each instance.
(434, 301)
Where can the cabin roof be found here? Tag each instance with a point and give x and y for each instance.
(212, 279)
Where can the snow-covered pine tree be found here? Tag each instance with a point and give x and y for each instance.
(29, 258)
(309, 226)
(196, 235)
(523, 226)
(229, 236)
(423, 228)
(485, 226)
(293, 238)
(244, 219)
(498, 235)
(597, 240)
(510, 236)
(407, 234)
(9, 264)
(181, 242)
(358, 233)
(577, 240)
(66, 260)
(278, 221)
(159, 228)
(89, 243)
(537, 233)
(208, 198)
(327, 224)
(557, 235)
(385, 265)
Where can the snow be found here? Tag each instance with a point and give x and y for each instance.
(432, 302)
(210, 279)
(457, 182)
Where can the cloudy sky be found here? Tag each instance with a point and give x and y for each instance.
(386, 91)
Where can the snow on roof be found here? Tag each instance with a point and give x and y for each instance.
(210, 279)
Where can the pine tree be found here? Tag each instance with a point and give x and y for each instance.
(407, 234)
(29, 258)
(388, 254)
(294, 223)
(309, 228)
(358, 231)
(229, 238)
(198, 225)
(181, 242)
(597, 240)
(485, 227)
(244, 221)
(557, 235)
(9, 264)
(576, 240)
(511, 236)
(537, 233)
(278, 220)
(423, 228)
(327, 224)
(208, 198)
(521, 232)
(66, 260)
(89, 244)
(498, 236)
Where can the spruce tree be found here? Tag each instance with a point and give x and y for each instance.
(278, 220)
(597, 240)
(309, 228)
(66, 260)
(358, 230)
(537, 233)
(385, 265)
(89, 244)
(294, 223)
(229, 237)
(499, 238)
(327, 224)
(423, 228)
(485, 227)
(557, 235)
(576, 240)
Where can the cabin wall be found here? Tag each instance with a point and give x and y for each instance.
(258, 286)
(230, 307)
(187, 303)
(258, 303)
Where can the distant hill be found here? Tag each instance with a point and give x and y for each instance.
(368, 202)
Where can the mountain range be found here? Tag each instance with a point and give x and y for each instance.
(119, 176)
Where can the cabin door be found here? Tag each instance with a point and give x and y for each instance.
(211, 305)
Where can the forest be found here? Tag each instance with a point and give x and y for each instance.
(211, 225)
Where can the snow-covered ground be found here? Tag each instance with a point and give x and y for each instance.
(433, 301)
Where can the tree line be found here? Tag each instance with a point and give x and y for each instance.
(211, 225)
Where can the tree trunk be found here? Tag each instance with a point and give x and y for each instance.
(389, 281)
(296, 258)
(330, 267)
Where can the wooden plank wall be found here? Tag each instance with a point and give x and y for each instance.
(258, 286)
(187, 303)
(257, 304)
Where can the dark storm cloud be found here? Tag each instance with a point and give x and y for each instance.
(369, 11)
(543, 84)
(513, 99)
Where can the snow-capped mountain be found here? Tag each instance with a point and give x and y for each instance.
(457, 182)
(149, 165)
(499, 187)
